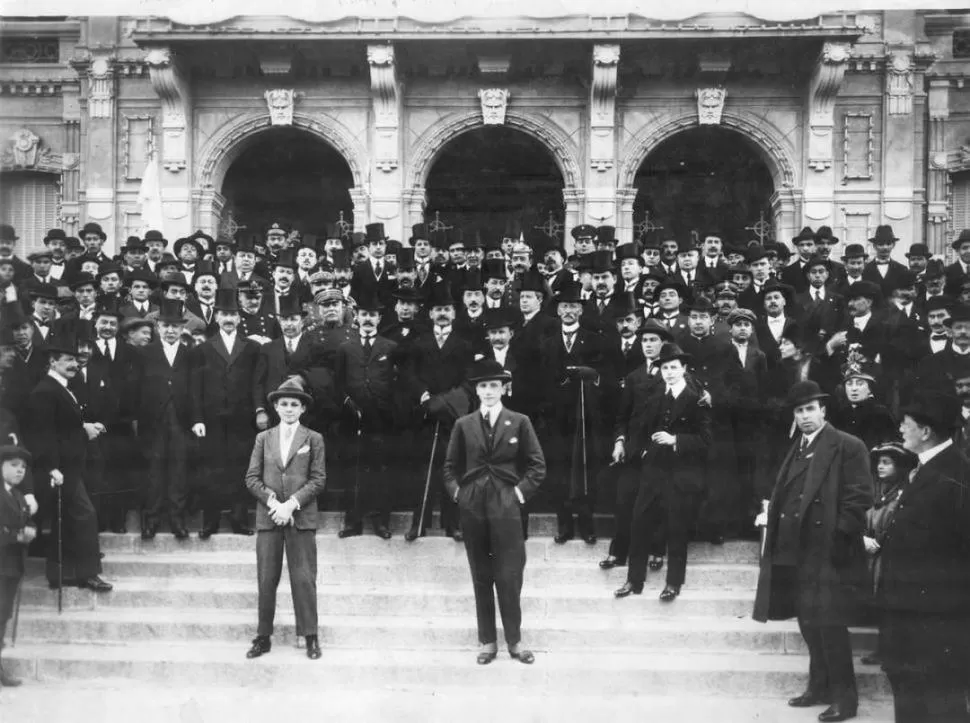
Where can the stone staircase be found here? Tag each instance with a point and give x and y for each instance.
(394, 614)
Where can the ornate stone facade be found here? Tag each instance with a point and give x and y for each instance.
(388, 99)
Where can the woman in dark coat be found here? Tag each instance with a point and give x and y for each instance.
(859, 413)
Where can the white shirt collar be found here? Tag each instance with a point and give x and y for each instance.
(929, 454)
(228, 339)
(775, 320)
(166, 345)
(676, 389)
(572, 329)
(442, 330)
(860, 322)
(492, 412)
(956, 350)
(289, 427)
(57, 377)
(811, 437)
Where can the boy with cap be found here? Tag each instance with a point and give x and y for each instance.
(286, 473)
(17, 530)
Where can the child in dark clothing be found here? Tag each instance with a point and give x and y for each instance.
(16, 532)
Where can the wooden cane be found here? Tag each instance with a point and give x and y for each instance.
(16, 604)
(360, 429)
(60, 550)
(427, 481)
(582, 421)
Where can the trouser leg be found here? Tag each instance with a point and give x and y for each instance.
(177, 472)
(508, 555)
(269, 569)
(646, 510)
(301, 559)
(627, 485)
(681, 514)
(475, 529)
(81, 547)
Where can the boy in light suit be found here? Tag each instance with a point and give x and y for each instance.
(287, 471)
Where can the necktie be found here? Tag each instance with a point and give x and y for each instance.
(488, 421)
(286, 442)
(379, 269)
(626, 347)
(804, 445)
(568, 337)
(441, 339)
(290, 345)
(423, 272)
(601, 305)
(368, 343)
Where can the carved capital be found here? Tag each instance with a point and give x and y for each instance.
(495, 101)
(606, 54)
(899, 82)
(25, 151)
(939, 99)
(101, 86)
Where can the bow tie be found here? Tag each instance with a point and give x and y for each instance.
(57, 263)
(939, 337)
(882, 263)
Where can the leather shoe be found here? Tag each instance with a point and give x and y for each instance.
(261, 645)
(656, 564)
(670, 593)
(808, 699)
(312, 647)
(456, 535)
(610, 562)
(382, 532)
(178, 529)
(208, 531)
(589, 539)
(7, 680)
(628, 589)
(523, 656)
(486, 656)
(836, 712)
(241, 528)
(96, 584)
(412, 534)
(350, 532)
(148, 531)
(562, 538)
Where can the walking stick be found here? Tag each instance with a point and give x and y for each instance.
(16, 604)
(427, 481)
(360, 429)
(582, 422)
(60, 551)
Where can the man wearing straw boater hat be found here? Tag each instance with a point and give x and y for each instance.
(813, 567)
(493, 465)
(287, 471)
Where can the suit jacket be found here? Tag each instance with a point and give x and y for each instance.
(819, 319)
(794, 276)
(925, 551)
(473, 332)
(683, 465)
(365, 283)
(160, 384)
(111, 387)
(129, 310)
(837, 493)
(367, 377)
(886, 283)
(223, 380)
(275, 364)
(766, 340)
(54, 431)
(21, 378)
(14, 517)
(589, 350)
(526, 347)
(638, 386)
(230, 280)
(302, 475)
(435, 370)
(514, 457)
(746, 384)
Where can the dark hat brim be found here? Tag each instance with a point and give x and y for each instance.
(289, 394)
(503, 376)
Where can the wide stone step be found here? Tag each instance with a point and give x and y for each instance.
(445, 599)
(390, 571)
(735, 674)
(330, 547)
(596, 633)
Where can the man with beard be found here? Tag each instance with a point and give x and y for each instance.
(57, 436)
(255, 323)
(925, 586)
(573, 365)
(814, 563)
(365, 377)
(556, 273)
(649, 283)
(223, 381)
(439, 361)
(280, 359)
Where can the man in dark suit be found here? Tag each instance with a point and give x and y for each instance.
(28, 364)
(638, 386)
(672, 446)
(925, 585)
(287, 471)
(671, 297)
(365, 377)
(574, 363)
(795, 274)
(493, 465)
(439, 361)
(223, 380)
(820, 309)
(959, 271)
(140, 283)
(93, 237)
(9, 237)
(778, 319)
(281, 358)
(57, 436)
(526, 345)
(814, 562)
(164, 410)
(371, 277)
(883, 270)
(600, 310)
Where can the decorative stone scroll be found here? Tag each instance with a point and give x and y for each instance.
(280, 102)
(25, 151)
(172, 91)
(602, 104)
(710, 105)
(495, 101)
(386, 93)
(823, 88)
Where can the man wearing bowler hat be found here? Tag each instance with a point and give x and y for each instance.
(365, 377)
(286, 473)
(223, 383)
(8, 238)
(883, 269)
(164, 408)
(493, 465)
(57, 436)
(93, 237)
(813, 566)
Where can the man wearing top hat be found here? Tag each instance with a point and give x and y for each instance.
(813, 566)
(93, 237)
(672, 447)
(575, 371)
(223, 383)
(286, 474)
(373, 276)
(600, 310)
(57, 435)
(883, 270)
(526, 344)
(493, 465)
(164, 413)
(281, 358)
(366, 375)
(470, 318)
(436, 377)
(175, 287)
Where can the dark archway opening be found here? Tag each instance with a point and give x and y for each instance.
(289, 175)
(705, 178)
(498, 178)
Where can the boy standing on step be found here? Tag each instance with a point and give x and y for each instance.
(17, 530)
(287, 471)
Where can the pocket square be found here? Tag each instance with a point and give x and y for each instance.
(304, 449)
(382, 358)
(809, 456)
(514, 440)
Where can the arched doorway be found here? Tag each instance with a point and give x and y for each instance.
(705, 178)
(495, 177)
(291, 175)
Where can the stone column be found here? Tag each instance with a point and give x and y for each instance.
(96, 202)
(385, 141)
(361, 200)
(415, 201)
(601, 205)
(625, 198)
(175, 179)
(820, 183)
(936, 174)
(899, 134)
(71, 178)
(573, 199)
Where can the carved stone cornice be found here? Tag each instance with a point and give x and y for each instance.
(823, 88)
(900, 70)
(386, 94)
(170, 86)
(25, 151)
(602, 92)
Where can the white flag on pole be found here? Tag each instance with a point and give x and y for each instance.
(150, 198)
